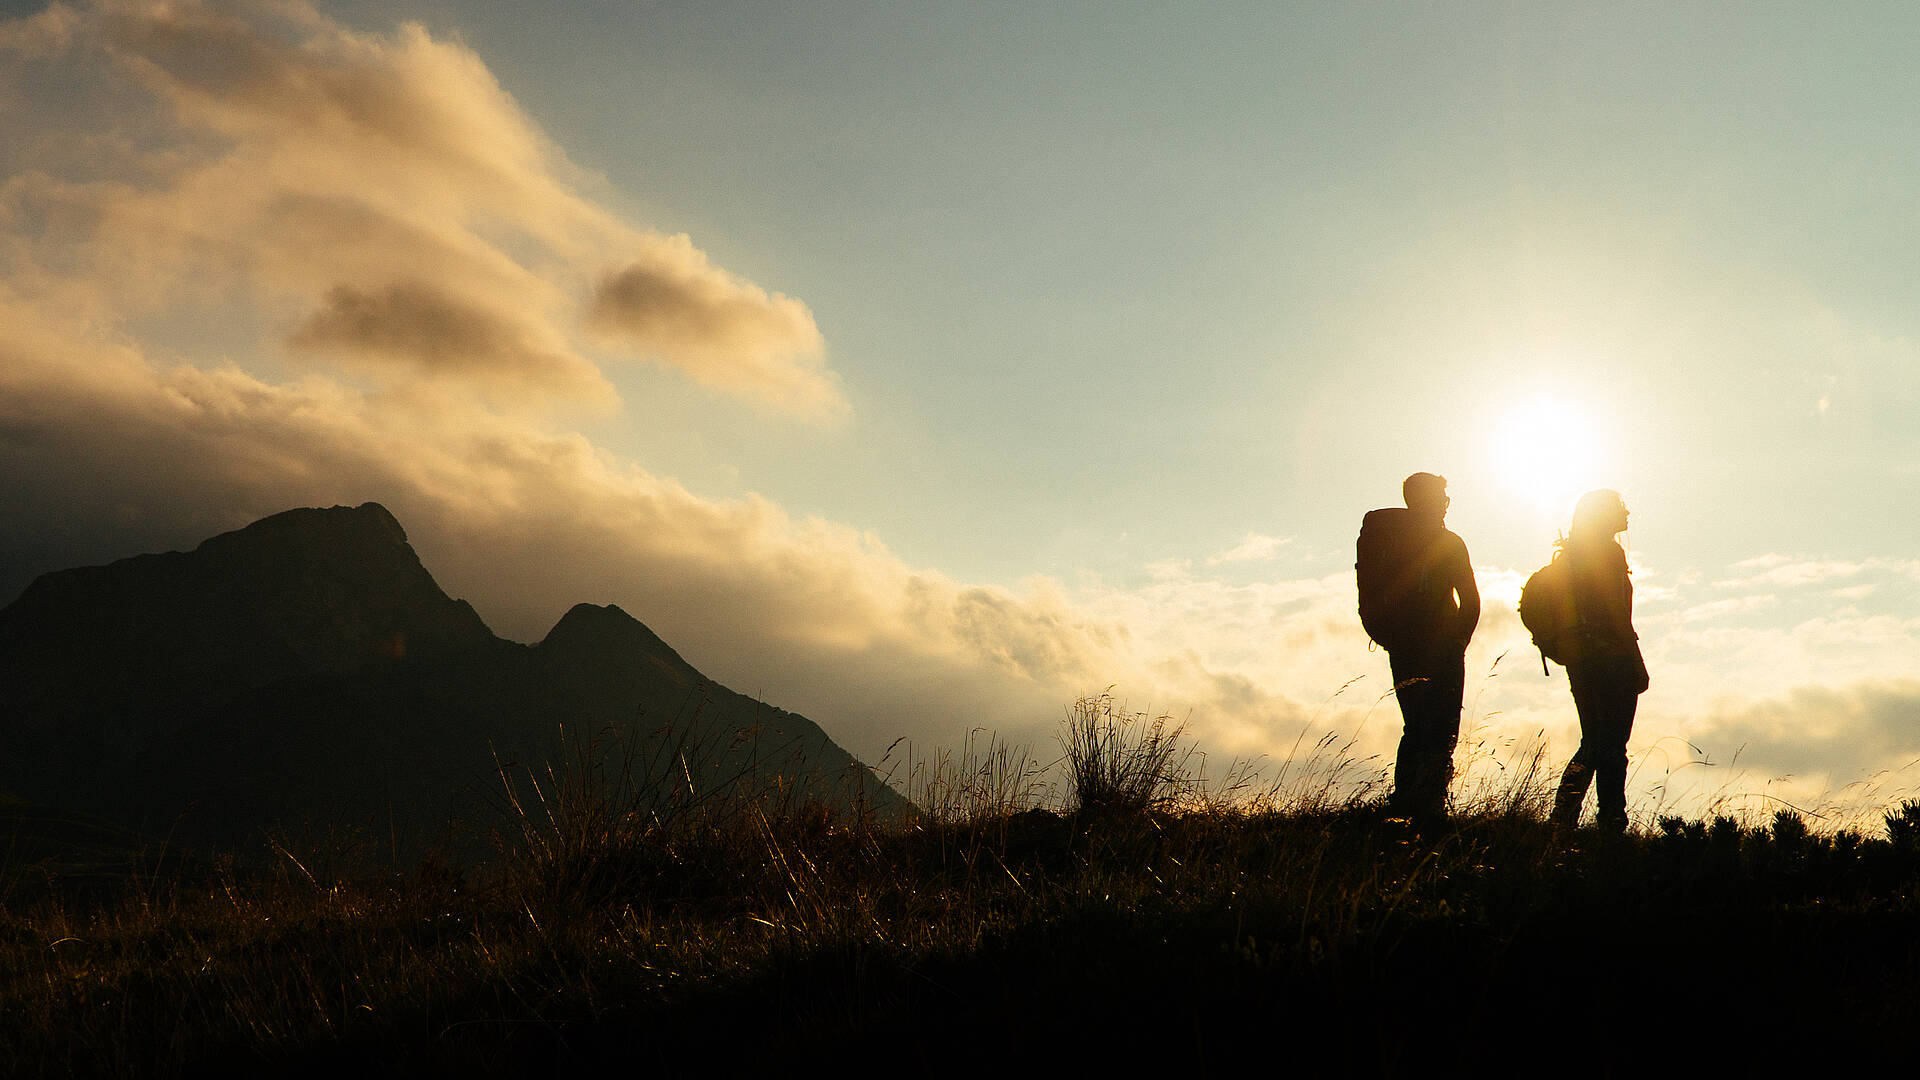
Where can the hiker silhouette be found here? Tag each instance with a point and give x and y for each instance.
(1418, 600)
(1604, 667)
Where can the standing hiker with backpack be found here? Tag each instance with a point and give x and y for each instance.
(1580, 609)
(1419, 601)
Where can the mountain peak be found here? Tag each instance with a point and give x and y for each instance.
(369, 524)
(312, 591)
(608, 638)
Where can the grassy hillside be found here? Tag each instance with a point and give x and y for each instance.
(1141, 923)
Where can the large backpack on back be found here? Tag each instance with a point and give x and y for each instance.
(1547, 610)
(1387, 569)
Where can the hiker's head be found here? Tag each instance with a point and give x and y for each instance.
(1426, 495)
(1599, 515)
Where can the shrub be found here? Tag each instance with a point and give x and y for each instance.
(1790, 831)
(1903, 825)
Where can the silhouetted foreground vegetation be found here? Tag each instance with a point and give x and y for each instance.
(1285, 928)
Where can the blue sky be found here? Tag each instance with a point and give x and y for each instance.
(1006, 352)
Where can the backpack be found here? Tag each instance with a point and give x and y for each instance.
(1385, 569)
(1547, 610)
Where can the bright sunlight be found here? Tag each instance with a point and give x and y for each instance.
(1547, 450)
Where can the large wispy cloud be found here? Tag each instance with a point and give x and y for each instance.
(378, 198)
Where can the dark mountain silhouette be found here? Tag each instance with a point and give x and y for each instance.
(307, 672)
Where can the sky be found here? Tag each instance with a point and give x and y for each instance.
(923, 368)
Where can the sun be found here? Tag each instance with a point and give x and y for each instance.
(1546, 449)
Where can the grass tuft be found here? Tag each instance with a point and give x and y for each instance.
(1122, 763)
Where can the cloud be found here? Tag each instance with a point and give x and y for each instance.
(1715, 609)
(1779, 570)
(1792, 572)
(376, 200)
(1846, 731)
(726, 333)
(1845, 752)
(43, 34)
(1252, 547)
(420, 326)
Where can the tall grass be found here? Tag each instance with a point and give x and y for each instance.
(984, 778)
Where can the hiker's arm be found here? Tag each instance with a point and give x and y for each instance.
(1469, 597)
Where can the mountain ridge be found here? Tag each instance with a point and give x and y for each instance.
(307, 669)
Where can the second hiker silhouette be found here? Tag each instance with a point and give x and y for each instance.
(1419, 601)
(1602, 655)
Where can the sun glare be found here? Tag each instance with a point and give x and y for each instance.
(1546, 450)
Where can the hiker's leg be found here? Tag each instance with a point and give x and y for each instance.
(1409, 688)
(1620, 701)
(1447, 682)
(1429, 693)
(1570, 794)
(1605, 700)
(1579, 774)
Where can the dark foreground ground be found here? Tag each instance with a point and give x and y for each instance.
(1199, 940)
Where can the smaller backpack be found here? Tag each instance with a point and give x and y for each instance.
(1547, 610)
